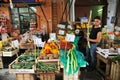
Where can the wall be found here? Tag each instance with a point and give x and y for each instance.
(82, 11)
(6, 11)
(47, 8)
(111, 11)
(96, 12)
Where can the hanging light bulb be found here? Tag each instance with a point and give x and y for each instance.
(11, 4)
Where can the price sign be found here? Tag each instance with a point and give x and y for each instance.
(53, 36)
(41, 44)
(70, 37)
(37, 40)
(61, 32)
(61, 26)
(15, 43)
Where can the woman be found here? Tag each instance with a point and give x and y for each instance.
(94, 38)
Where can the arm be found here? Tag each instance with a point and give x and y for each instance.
(98, 39)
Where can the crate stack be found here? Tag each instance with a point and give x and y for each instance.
(47, 73)
(20, 66)
(115, 71)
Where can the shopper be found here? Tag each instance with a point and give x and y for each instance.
(94, 38)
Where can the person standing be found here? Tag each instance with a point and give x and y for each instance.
(94, 38)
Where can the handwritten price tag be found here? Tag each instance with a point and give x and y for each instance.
(70, 37)
(15, 43)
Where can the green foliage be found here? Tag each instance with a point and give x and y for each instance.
(46, 67)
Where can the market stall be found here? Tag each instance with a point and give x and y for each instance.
(44, 59)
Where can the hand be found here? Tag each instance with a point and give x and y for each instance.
(88, 39)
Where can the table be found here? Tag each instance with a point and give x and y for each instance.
(104, 65)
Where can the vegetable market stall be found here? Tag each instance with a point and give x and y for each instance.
(47, 63)
(24, 65)
(104, 61)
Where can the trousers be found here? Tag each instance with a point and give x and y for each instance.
(91, 54)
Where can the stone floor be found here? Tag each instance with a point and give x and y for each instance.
(93, 75)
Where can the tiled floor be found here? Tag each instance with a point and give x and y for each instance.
(94, 75)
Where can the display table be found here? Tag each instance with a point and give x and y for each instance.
(103, 65)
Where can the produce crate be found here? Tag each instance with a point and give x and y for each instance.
(20, 70)
(46, 75)
(47, 63)
(26, 46)
(25, 77)
(48, 60)
(10, 53)
(72, 76)
(48, 57)
(115, 71)
(1, 53)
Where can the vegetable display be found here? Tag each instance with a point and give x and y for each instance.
(50, 48)
(46, 67)
(20, 65)
(27, 58)
(72, 59)
(116, 58)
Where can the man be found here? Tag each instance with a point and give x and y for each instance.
(94, 38)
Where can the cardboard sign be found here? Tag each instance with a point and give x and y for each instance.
(70, 37)
(52, 36)
(4, 36)
(41, 44)
(61, 26)
(61, 32)
(15, 43)
(69, 27)
(37, 40)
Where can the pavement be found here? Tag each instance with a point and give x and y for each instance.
(85, 75)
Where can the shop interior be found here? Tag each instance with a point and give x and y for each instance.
(47, 39)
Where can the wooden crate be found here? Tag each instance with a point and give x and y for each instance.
(46, 75)
(1, 63)
(25, 77)
(20, 70)
(26, 46)
(1, 53)
(10, 53)
(99, 67)
(52, 61)
(115, 71)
